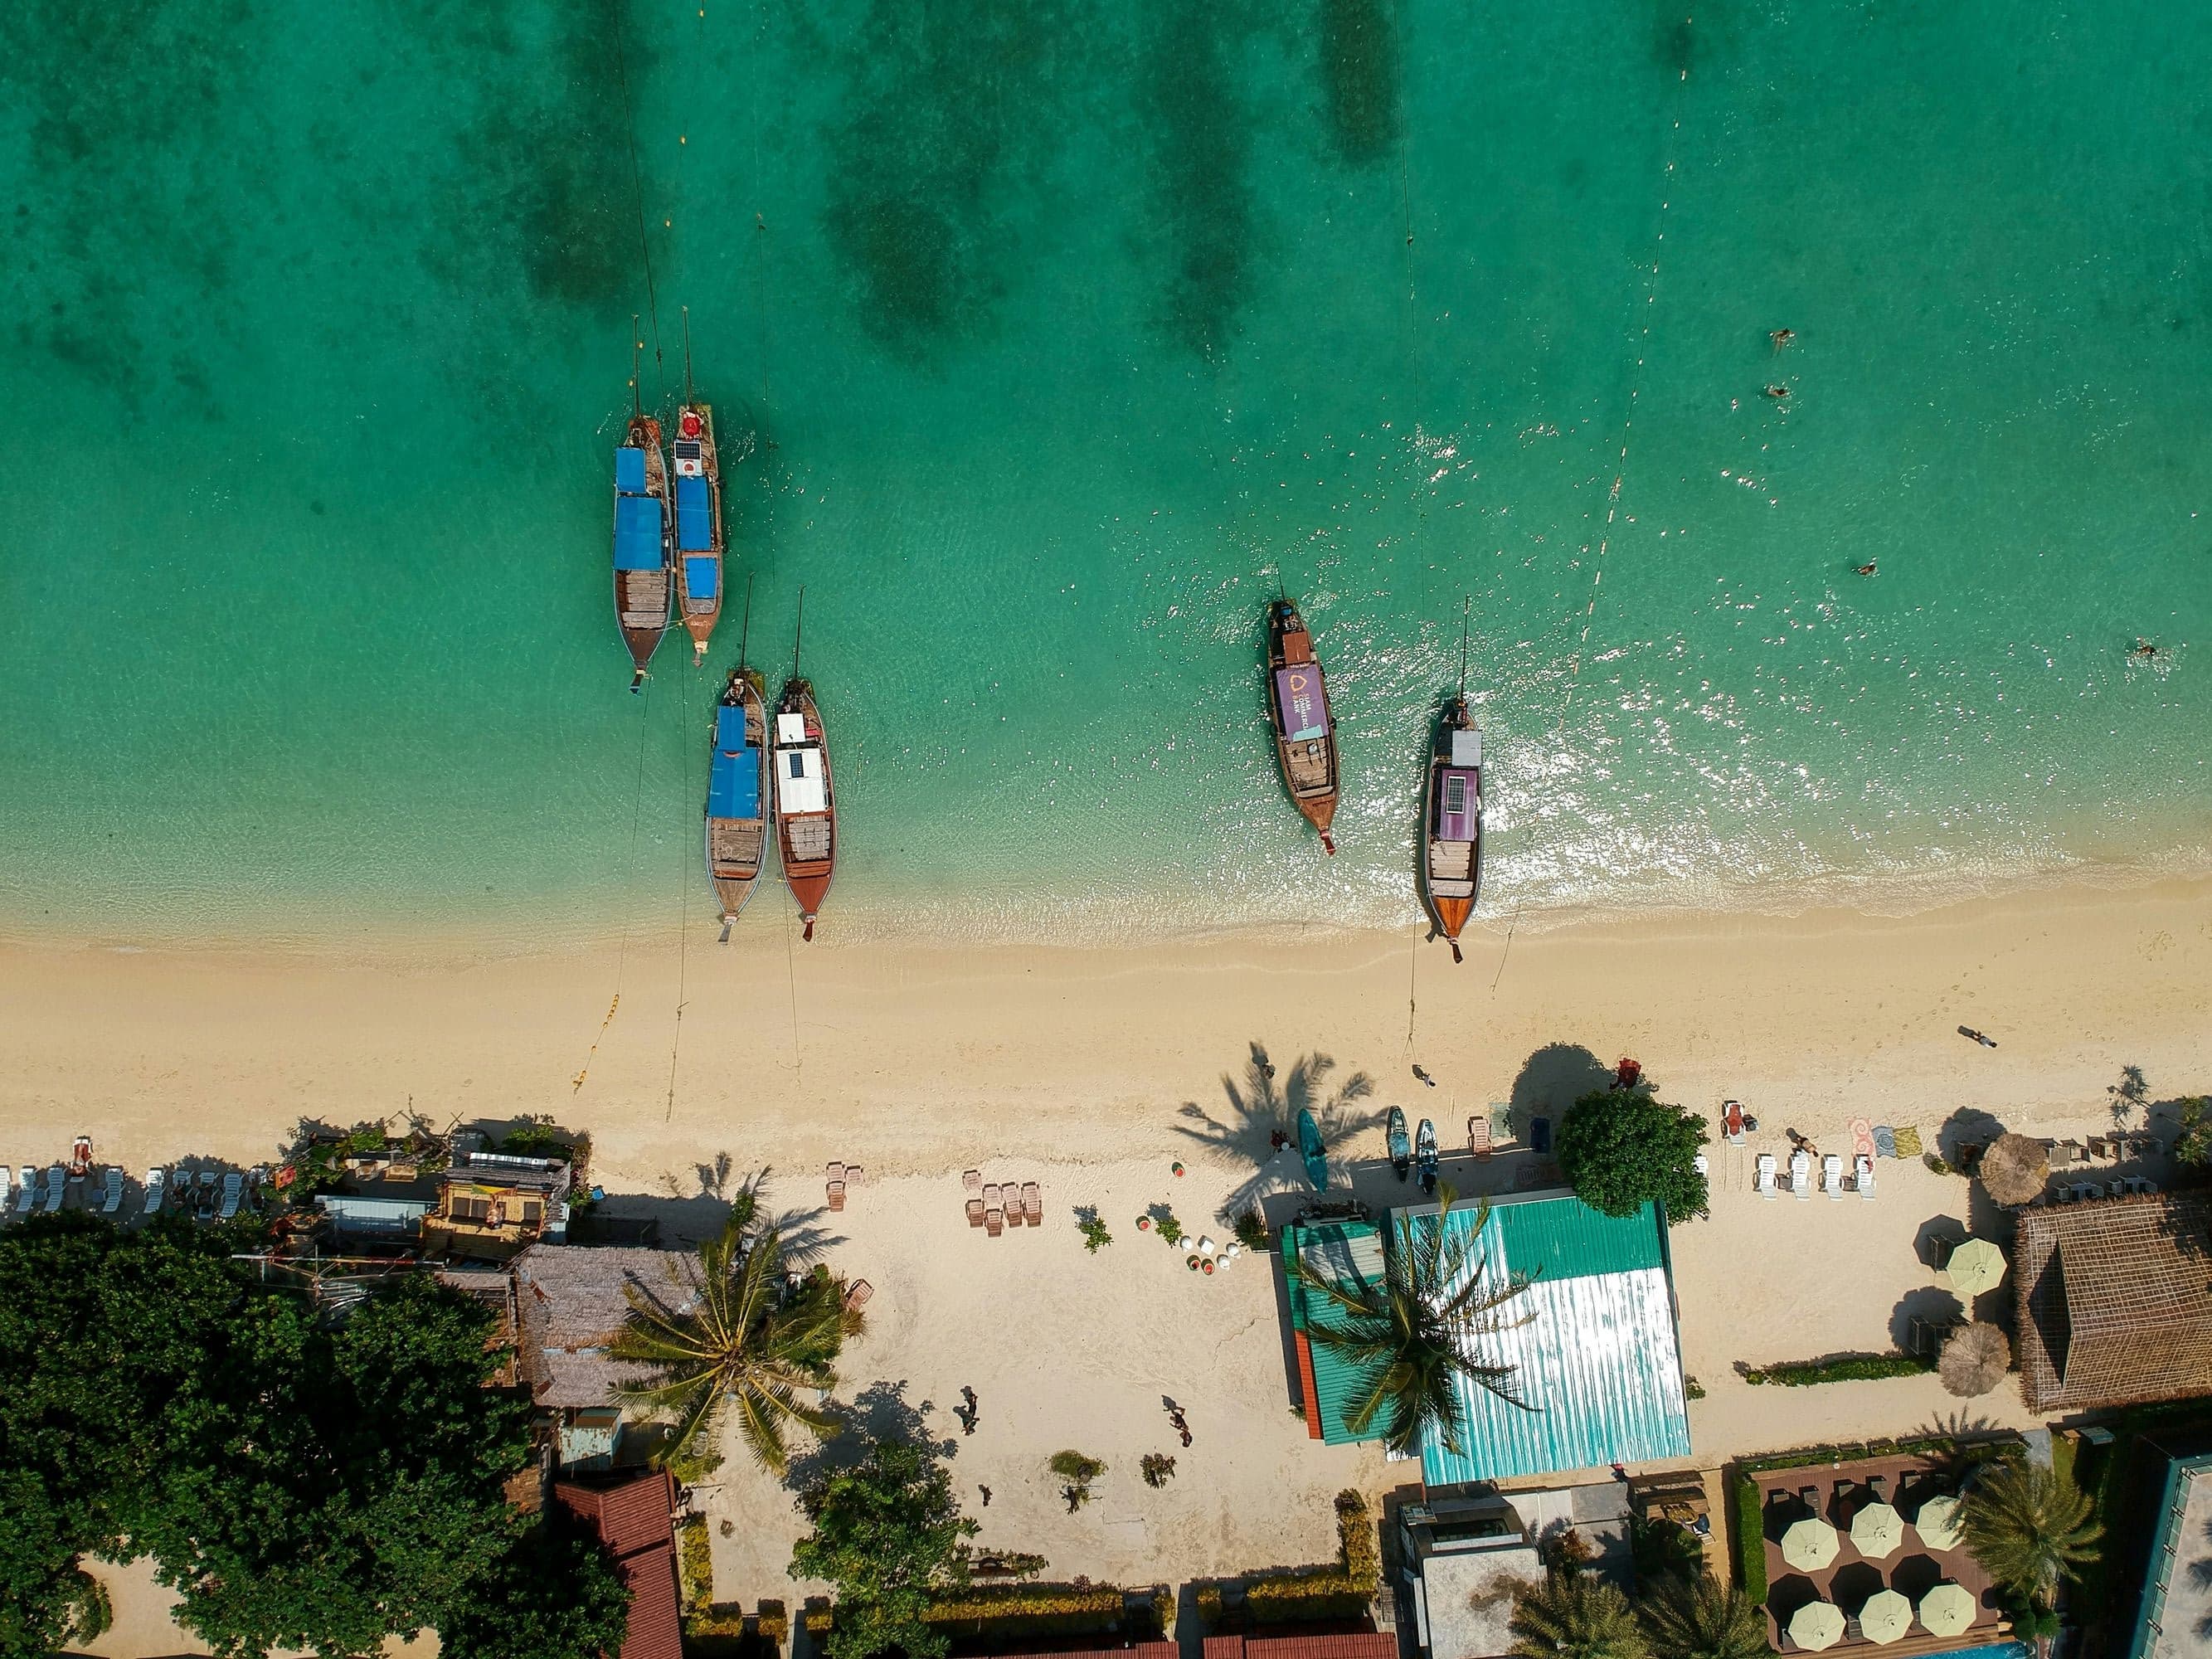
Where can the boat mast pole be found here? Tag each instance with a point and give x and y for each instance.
(797, 632)
(745, 633)
(687, 354)
(637, 394)
(1465, 609)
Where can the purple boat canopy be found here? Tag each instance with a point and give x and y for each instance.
(1298, 696)
(1459, 803)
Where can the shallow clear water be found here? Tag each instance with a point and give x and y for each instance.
(1058, 329)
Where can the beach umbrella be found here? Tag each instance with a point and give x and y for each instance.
(1810, 1544)
(1975, 1267)
(1309, 1150)
(1975, 1360)
(1886, 1617)
(1817, 1625)
(2014, 1170)
(1877, 1531)
(1947, 1610)
(1937, 1523)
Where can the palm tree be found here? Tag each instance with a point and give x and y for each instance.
(2029, 1526)
(746, 1339)
(1573, 1615)
(1409, 1334)
(1699, 1618)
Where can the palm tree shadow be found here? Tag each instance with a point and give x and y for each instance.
(1260, 1116)
(880, 1412)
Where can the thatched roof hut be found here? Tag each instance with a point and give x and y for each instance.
(2114, 1301)
(2015, 1169)
(1975, 1360)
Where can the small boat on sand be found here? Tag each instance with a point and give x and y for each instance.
(737, 793)
(698, 514)
(1305, 732)
(1401, 1150)
(806, 807)
(1451, 819)
(644, 537)
(1425, 1155)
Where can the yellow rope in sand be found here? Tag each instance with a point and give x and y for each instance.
(622, 957)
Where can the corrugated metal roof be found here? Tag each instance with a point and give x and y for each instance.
(1338, 1248)
(1597, 1352)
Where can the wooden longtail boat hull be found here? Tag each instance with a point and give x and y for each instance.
(807, 839)
(699, 615)
(1450, 866)
(641, 597)
(737, 846)
(1307, 754)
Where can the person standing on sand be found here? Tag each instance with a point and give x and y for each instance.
(986, 1491)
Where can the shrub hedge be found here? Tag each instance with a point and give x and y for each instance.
(774, 1620)
(1343, 1591)
(1021, 1611)
(1839, 1368)
(1750, 1537)
(695, 1562)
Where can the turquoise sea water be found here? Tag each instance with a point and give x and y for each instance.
(1058, 329)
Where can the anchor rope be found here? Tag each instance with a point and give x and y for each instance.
(622, 954)
(637, 192)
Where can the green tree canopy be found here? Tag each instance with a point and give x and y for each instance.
(1622, 1149)
(890, 1537)
(2029, 1526)
(555, 1594)
(1696, 1617)
(748, 1342)
(2194, 1143)
(1575, 1615)
(1405, 1334)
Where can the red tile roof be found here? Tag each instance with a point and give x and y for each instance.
(634, 1520)
(1361, 1644)
(1123, 1650)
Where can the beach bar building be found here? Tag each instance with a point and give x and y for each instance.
(2114, 1302)
(571, 1302)
(1595, 1349)
(490, 1206)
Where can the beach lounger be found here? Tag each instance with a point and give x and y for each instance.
(1033, 1202)
(157, 1183)
(1862, 1175)
(994, 1223)
(1010, 1199)
(857, 1294)
(1478, 1134)
(991, 1196)
(836, 1172)
(1732, 1122)
(1801, 1173)
(234, 1188)
(112, 1200)
(57, 1180)
(203, 1205)
(81, 1158)
(1832, 1175)
(836, 1195)
(975, 1212)
(7, 1181)
(27, 1191)
(855, 1176)
(1762, 1179)
(972, 1180)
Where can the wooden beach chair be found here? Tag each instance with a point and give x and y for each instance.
(857, 1294)
(1011, 1196)
(836, 1195)
(972, 1180)
(1478, 1134)
(990, 1194)
(975, 1212)
(1033, 1202)
(994, 1223)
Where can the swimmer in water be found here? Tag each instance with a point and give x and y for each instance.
(1866, 569)
(1783, 336)
(2144, 649)
(1776, 391)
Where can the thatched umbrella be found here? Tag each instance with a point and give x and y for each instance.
(1975, 1360)
(2014, 1170)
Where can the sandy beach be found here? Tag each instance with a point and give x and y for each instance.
(1092, 1071)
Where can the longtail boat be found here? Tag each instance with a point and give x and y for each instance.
(1305, 732)
(698, 514)
(806, 807)
(1451, 817)
(737, 793)
(644, 537)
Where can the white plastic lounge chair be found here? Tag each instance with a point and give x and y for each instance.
(1862, 1175)
(27, 1191)
(157, 1183)
(57, 1180)
(233, 1187)
(7, 1181)
(114, 1182)
(1801, 1173)
(1762, 1179)
(1703, 1164)
(1832, 1175)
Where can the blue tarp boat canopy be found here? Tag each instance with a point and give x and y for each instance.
(694, 530)
(629, 471)
(701, 577)
(733, 781)
(637, 532)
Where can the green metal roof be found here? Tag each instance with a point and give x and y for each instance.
(1342, 1250)
(1558, 1238)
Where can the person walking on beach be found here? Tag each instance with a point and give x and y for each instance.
(1969, 1031)
(1424, 1077)
(1074, 1497)
(986, 1491)
(966, 1411)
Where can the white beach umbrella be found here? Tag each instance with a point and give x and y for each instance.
(1937, 1523)
(1947, 1610)
(1975, 1267)
(1886, 1617)
(1877, 1531)
(1810, 1544)
(1817, 1625)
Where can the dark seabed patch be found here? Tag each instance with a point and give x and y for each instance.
(1359, 70)
(137, 126)
(949, 108)
(1201, 130)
